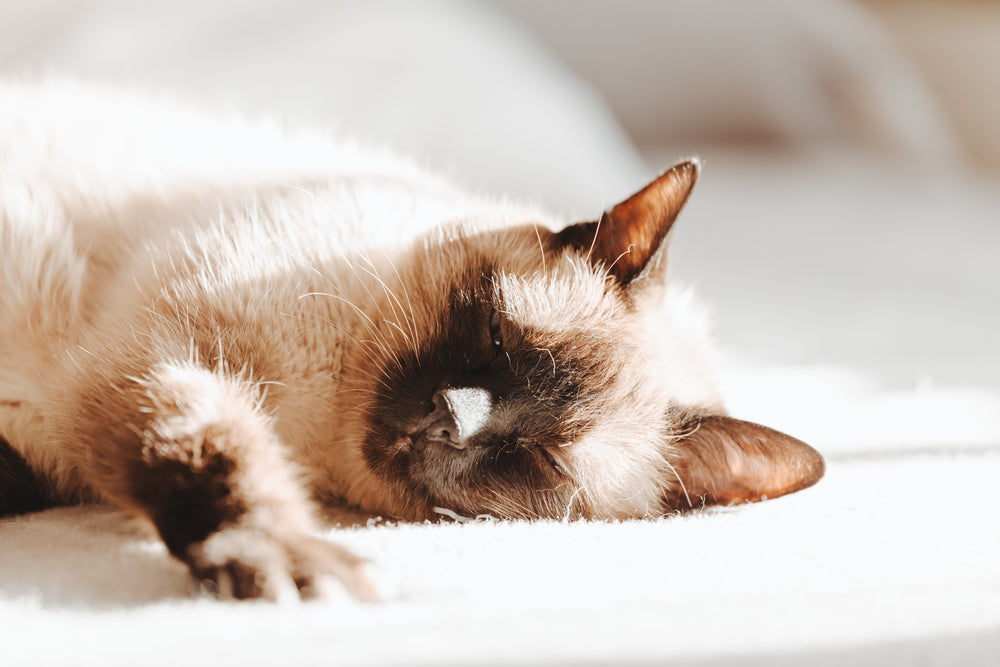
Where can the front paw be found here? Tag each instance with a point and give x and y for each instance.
(251, 563)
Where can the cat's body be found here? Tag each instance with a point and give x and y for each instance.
(208, 322)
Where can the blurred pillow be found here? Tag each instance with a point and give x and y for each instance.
(784, 71)
(455, 84)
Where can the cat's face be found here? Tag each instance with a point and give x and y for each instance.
(513, 379)
(511, 374)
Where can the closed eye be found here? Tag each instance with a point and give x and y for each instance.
(532, 444)
(547, 455)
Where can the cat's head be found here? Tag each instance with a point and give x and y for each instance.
(524, 372)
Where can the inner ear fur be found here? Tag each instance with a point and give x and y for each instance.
(628, 239)
(725, 461)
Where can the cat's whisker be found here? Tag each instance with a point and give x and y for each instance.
(385, 288)
(679, 481)
(371, 295)
(593, 241)
(686, 434)
(374, 363)
(569, 503)
(395, 325)
(381, 357)
(398, 315)
(413, 318)
(385, 356)
(306, 325)
(371, 324)
(358, 390)
(339, 327)
(392, 296)
(627, 251)
(541, 247)
(510, 507)
(551, 357)
(387, 353)
(325, 277)
(374, 351)
(372, 271)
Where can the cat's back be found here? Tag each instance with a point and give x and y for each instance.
(91, 174)
(101, 148)
(98, 184)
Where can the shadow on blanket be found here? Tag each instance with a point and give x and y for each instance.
(87, 555)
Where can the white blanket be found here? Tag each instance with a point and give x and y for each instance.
(887, 561)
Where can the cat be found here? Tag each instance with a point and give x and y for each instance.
(217, 324)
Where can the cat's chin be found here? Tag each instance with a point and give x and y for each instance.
(423, 462)
(398, 459)
(433, 474)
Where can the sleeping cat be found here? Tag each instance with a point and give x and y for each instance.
(214, 324)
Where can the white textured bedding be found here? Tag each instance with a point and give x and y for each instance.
(857, 296)
(873, 566)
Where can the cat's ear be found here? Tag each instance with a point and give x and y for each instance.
(628, 240)
(726, 461)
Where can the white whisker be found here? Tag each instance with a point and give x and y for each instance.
(541, 247)
(411, 321)
(597, 230)
(628, 251)
(679, 481)
(569, 505)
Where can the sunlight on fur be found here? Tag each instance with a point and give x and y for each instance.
(214, 324)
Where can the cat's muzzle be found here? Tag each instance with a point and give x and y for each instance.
(459, 413)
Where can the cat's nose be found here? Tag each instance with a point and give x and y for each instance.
(459, 413)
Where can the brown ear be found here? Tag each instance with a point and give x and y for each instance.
(726, 461)
(627, 238)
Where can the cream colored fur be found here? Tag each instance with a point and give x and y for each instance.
(106, 196)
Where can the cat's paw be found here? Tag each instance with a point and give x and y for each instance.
(252, 563)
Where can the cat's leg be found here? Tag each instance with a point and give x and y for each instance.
(21, 490)
(191, 449)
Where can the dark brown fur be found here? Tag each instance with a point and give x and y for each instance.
(21, 490)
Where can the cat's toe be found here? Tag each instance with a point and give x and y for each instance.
(247, 564)
(239, 580)
(322, 570)
(240, 564)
